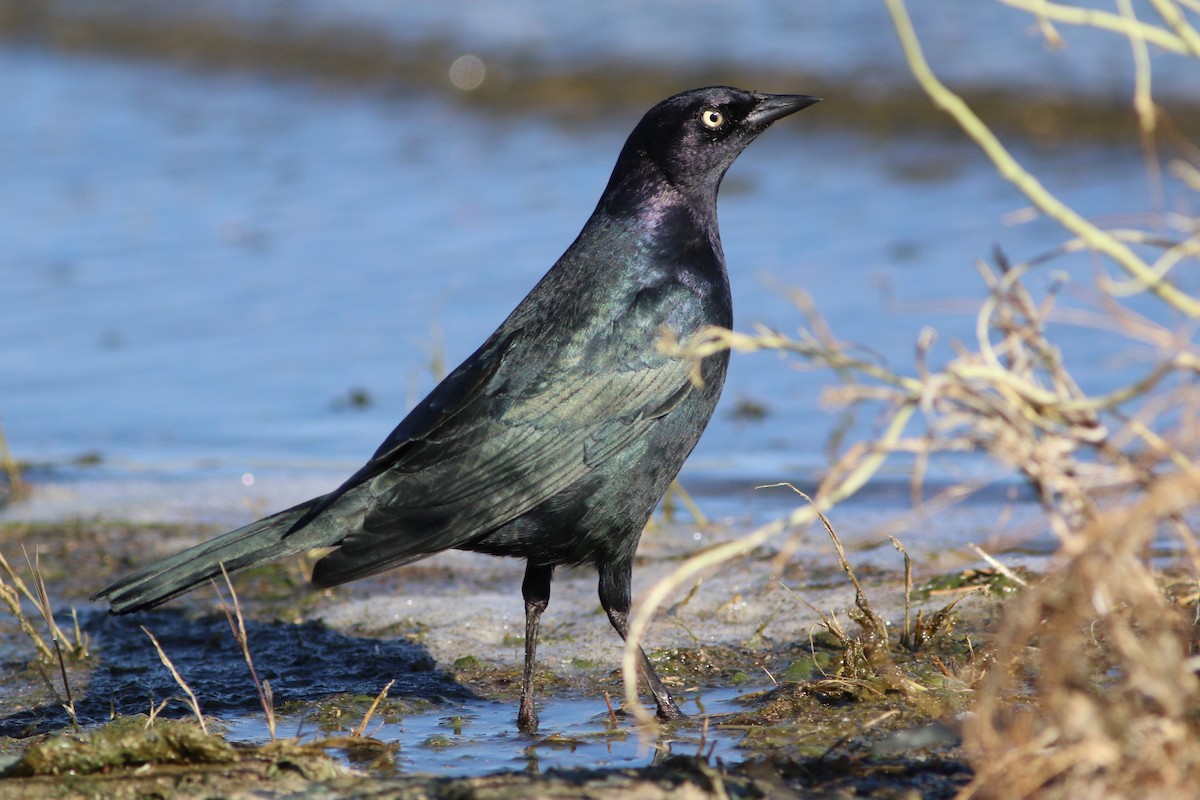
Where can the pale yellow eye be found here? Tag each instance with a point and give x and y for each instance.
(712, 118)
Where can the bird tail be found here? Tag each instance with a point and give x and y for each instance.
(261, 542)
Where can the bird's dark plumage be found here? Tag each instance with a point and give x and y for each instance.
(555, 439)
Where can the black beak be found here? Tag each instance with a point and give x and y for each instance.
(775, 106)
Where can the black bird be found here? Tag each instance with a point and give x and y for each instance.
(553, 441)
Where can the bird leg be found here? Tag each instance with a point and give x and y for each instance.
(667, 709)
(614, 597)
(536, 591)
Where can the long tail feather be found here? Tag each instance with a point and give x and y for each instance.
(257, 543)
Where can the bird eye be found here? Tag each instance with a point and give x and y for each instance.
(712, 118)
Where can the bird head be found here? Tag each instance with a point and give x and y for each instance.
(692, 138)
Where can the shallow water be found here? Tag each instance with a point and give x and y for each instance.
(478, 737)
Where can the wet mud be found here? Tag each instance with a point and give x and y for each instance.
(779, 716)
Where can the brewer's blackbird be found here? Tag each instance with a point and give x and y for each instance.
(555, 439)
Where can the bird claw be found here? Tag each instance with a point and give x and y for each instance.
(527, 720)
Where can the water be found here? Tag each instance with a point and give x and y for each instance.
(322, 680)
(200, 270)
(480, 737)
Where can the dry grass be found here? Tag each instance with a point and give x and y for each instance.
(1097, 693)
(1011, 397)
(868, 654)
(15, 488)
(190, 697)
(237, 626)
(1094, 692)
(62, 648)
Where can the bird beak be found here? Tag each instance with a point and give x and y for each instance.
(775, 106)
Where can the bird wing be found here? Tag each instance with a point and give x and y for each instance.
(571, 379)
(498, 457)
(447, 399)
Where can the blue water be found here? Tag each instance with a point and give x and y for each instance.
(198, 270)
(479, 737)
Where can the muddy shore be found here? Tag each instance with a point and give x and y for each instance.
(804, 714)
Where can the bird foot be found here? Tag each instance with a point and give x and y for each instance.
(670, 711)
(527, 719)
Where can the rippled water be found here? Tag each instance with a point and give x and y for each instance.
(479, 737)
